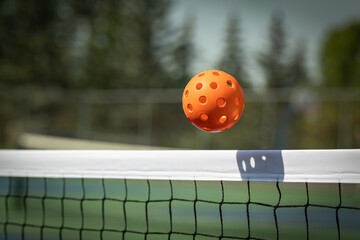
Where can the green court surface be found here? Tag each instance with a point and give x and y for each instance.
(154, 209)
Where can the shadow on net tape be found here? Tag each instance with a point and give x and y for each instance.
(266, 165)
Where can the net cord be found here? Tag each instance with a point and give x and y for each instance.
(312, 166)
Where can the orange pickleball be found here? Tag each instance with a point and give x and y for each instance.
(213, 101)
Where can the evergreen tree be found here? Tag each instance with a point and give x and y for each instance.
(272, 60)
(102, 62)
(147, 20)
(182, 54)
(232, 60)
(33, 44)
(124, 44)
(297, 74)
(340, 57)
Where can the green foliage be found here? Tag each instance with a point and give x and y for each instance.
(83, 44)
(232, 60)
(273, 59)
(101, 53)
(340, 57)
(68, 44)
(182, 54)
(146, 22)
(297, 74)
(123, 45)
(32, 44)
(281, 67)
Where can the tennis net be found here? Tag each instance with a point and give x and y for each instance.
(293, 194)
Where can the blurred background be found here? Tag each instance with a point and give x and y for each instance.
(109, 74)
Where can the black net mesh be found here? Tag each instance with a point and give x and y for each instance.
(47, 208)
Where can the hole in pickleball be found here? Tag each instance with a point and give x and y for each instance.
(221, 102)
(229, 83)
(216, 73)
(214, 85)
(201, 74)
(204, 117)
(186, 93)
(190, 107)
(222, 119)
(202, 99)
(199, 86)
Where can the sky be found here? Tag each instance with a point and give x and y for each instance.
(306, 20)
